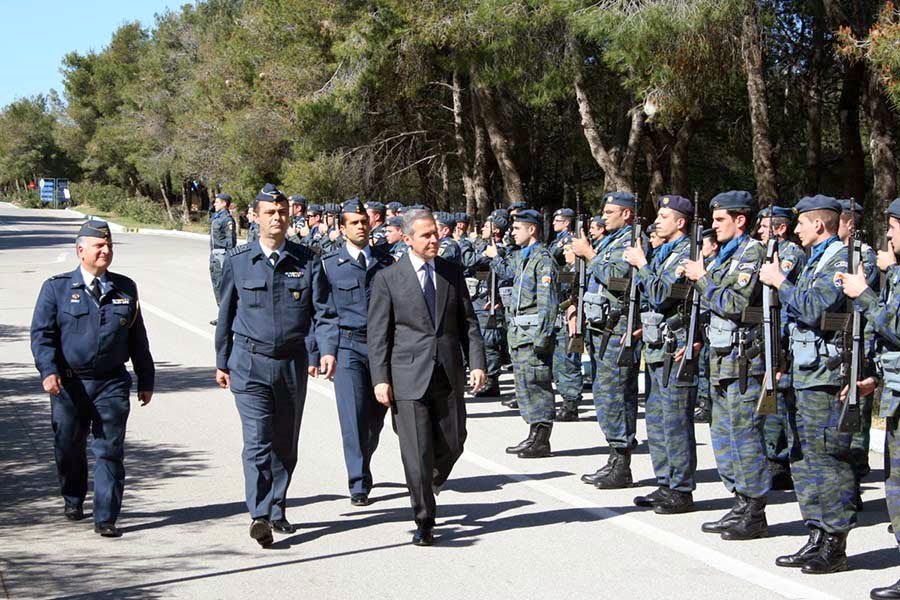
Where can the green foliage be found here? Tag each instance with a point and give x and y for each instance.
(105, 198)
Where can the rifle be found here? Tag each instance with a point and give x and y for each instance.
(576, 341)
(687, 370)
(853, 351)
(492, 281)
(626, 352)
(768, 399)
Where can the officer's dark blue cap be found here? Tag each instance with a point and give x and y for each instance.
(678, 203)
(353, 207)
(501, 212)
(419, 207)
(394, 206)
(566, 213)
(462, 217)
(315, 209)
(777, 212)
(375, 206)
(403, 209)
(518, 206)
(528, 216)
(651, 228)
(332, 209)
(817, 202)
(224, 197)
(733, 200)
(709, 232)
(848, 206)
(623, 199)
(894, 208)
(270, 193)
(95, 228)
(500, 221)
(599, 220)
(444, 218)
(298, 199)
(395, 222)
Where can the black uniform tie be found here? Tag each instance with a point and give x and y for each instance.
(94, 289)
(361, 258)
(428, 291)
(273, 259)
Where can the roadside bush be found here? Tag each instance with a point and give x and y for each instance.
(144, 210)
(29, 199)
(104, 198)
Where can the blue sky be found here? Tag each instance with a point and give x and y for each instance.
(36, 34)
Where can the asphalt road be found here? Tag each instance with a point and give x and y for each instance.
(507, 528)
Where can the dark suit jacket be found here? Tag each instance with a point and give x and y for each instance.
(404, 346)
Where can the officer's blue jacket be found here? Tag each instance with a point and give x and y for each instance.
(222, 235)
(72, 336)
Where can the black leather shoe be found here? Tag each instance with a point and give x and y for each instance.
(832, 556)
(653, 498)
(283, 526)
(524, 443)
(751, 524)
(593, 478)
(214, 322)
(74, 512)
(261, 531)
(359, 499)
(675, 503)
(728, 519)
(423, 536)
(107, 530)
(891, 591)
(805, 553)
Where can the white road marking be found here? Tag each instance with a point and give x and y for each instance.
(777, 584)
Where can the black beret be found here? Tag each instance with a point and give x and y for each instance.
(298, 199)
(709, 232)
(528, 216)
(270, 193)
(894, 208)
(679, 203)
(95, 228)
(599, 220)
(462, 217)
(394, 206)
(315, 209)
(223, 196)
(817, 202)
(566, 213)
(623, 199)
(849, 205)
(395, 222)
(732, 200)
(777, 211)
(375, 206)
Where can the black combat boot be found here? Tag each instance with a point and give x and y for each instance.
(568, 411)
(675, 503)
(619, 476)
(781, 475)
(591, 478)
(510, 403)
(653, 498)
(832, 556)
(751, 524)
(857, 496)
(805, 553)
(729, 518)
(491, 389)
(701, 414)
(524, 443)
(540, 447)
(892, 591)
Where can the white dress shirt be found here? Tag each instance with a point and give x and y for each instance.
(353, 251)
(417, 264)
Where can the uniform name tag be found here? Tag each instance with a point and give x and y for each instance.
(293, 274)
(121, 301)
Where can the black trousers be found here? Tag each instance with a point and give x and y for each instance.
(432, 431)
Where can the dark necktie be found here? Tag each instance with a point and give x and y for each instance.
(361, 258)
(94, 289)
(273, 259)
(429, 293)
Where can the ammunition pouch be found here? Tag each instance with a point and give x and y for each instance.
(809, 349)
(721, 334)
(652, 324)
(890, 366)
(506, 296)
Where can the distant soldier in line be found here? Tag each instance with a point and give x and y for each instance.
(376, 212)
(709, 252)
(669, 409)
(728, 288)
(779, 432)
(493, 332)
(87, 324)
(597, 230)
(329, 241)
(222, 238)
(253, 226)
(823, 470)
(531, 330)
(316, 230)
(297, 222)
(393, 233)
(882, 316)
(615, 388)
(392, 209)
(466, 248)
(448, 248)
(851, 219)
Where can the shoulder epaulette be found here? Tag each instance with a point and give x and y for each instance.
(239, 249)
(330, 254)
(60, 276)
(300, 250)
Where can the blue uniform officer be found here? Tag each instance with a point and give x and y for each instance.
(342, 305)
(222, 238)
(87, 324)
(262, 354)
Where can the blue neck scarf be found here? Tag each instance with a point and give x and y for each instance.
(527, 251)
(663, 252)
(626, 230)
(819, 249)
(730, 248)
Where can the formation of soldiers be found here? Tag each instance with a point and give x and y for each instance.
(686, 308)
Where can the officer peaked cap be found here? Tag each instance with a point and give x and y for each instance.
(679, 203)
(733, 200)
(353, 207)
(817, 202)
(95, 228)
(528, 216)
(270, 193)
(623, 199)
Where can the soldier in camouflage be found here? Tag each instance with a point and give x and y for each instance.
(728, 288)
(493, 330)
(566, 365)
(376, 212)
(615, 388)
(882, 316)
(531, 321)
(823, 471)
(669, 408)
(778, 430)
(709, 251)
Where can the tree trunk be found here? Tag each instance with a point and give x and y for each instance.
(763, 156)
(678, 163)
(851, 139)
(881, 144)
(462, 153)
(479, 167)
(655, 163)
(813, 175)
(500, 145)
(185, 202)
(166, 201)
(445, 182)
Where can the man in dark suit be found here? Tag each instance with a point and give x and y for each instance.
(420, 323)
